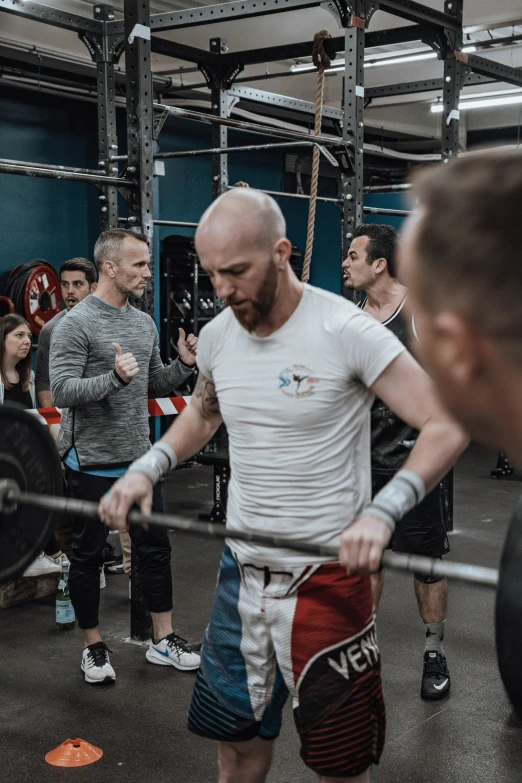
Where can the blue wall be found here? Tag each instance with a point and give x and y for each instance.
(42, 217)
(186, 192)
(57, 220)
(386, 201)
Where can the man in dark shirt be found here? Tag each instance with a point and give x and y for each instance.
(370, 267)
(77, 280)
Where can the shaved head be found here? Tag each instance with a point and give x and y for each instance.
(241, 243)
(246, 215)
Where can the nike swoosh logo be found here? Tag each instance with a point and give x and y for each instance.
(441, 686)
(166, 653)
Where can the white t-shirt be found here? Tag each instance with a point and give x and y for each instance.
(296, 406)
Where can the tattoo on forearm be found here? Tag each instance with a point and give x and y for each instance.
(206, 391)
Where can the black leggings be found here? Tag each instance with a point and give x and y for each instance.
(88, 540)
(52, 547)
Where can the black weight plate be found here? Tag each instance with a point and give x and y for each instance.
(508, 612)
(28, 455)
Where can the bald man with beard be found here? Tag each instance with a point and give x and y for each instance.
(292, 371)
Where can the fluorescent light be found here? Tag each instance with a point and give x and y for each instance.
(303, 67)
(399, 60)
(484, 103)
(371, 62)
(468, 49)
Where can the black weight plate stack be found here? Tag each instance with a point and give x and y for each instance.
(28, 456)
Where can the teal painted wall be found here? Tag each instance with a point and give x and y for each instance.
(386, 201)
(42, 217)
(185, 192)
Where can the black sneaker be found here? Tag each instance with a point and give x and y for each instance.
(436, 678)
(116, 567)
(109, 554)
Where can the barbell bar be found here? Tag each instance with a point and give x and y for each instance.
(31, 481)
(11, 497)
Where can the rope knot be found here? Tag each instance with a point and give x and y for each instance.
(320, 57)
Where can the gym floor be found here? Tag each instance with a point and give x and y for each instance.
(139, 723)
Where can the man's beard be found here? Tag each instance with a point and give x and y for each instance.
(129, 292)
(260, 307)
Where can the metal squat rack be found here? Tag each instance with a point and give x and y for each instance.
(106, 38)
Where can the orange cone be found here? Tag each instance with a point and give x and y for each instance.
(73, 753)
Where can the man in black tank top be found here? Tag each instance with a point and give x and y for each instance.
(370, 267)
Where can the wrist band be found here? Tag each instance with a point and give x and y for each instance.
(123, 383)
(400, 495)
(156, 462)
(188, 366)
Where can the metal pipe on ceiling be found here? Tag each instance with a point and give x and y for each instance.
(386, 188)
(247, 127)
(387, 212)
(50, 166)
(178, 223)
(223, 150)
(68, 176)
(277, 194)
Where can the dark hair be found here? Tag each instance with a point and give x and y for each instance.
(80, 265)
(468, 241)
(109, 245)
(7, 325)
(383, 241)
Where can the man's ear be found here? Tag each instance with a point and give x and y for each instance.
(109, 269)
(380, 266)
(94, 286)
(458, 345)
(282, 251)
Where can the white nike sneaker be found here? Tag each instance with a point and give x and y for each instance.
(173, 651)
(96, 664)
(43, 566)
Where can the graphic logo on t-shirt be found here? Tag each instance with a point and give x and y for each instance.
(297, 381)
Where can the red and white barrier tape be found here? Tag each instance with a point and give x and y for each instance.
(162, 406)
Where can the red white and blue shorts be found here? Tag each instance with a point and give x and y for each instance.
(308, 631)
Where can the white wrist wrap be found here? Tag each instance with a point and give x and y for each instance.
(400, 495)
(156, 462)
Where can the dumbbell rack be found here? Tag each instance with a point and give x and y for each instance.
(187, 297)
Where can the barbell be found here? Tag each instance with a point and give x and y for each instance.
(31, 478)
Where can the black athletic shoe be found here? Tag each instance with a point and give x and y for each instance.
(109, 554)
(436, 678)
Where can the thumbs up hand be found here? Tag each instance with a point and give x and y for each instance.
(187, 348)
(125, 364)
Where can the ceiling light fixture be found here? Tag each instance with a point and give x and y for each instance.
(482, 103)
(408, 58)
(370, 62)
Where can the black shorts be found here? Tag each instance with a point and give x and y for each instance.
(421, 531)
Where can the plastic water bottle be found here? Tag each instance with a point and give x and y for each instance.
(65, 618)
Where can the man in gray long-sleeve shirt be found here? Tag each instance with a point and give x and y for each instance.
(104, 364)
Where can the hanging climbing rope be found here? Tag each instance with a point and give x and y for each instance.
(321, 61)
